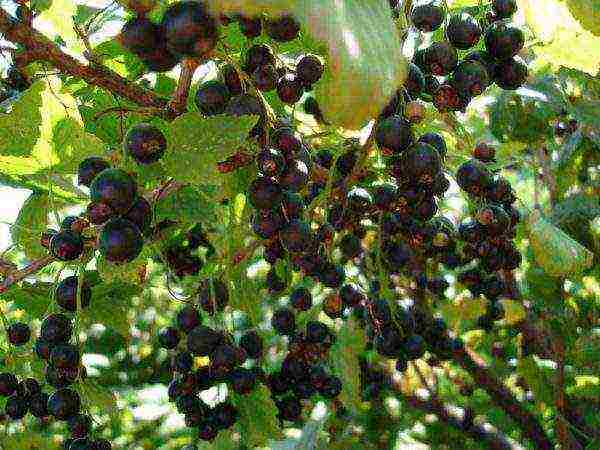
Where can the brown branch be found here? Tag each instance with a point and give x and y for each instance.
(18, 275)
(39, 48)
(549, 177)
(178, 103)
(500, 395)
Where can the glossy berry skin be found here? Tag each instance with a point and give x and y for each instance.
(421, 163)
(295, 176)
(189, 29)
(140, 214)
(212, 97)
(511, 74)
(120, 241)
(470, 78)
(188, 318)
(289, 89)
(66, 246)
(301, 299)
(258, 55)
(18, 333)
(427, 17)
(168, 338)
(264, 193)
(503, 40)
(89, 168)
(295, 237)
(393, 135)
(284, 321)
(503, 9)
(282, 29)
(115, 188)
(145, 143)
(440, 58)
(64, 403)
(270, 162)
(232, 80)
(42, 349)
(415, 83)
(66, 294)
(463, 31)
(309, 69)
(473, 177)
(436, 141)
(38, 405)
(8, 384)
(65, 356)
(56, 329)
(16, 407)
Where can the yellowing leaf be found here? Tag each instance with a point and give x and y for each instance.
(31, 222)
(587, 12)
(513, 311)
(554, 250)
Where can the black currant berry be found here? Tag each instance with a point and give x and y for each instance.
(421, 163)
(168, 338)
(393, 135)
(189, 29)
(266, 223)
(42, 349)
(415, 83)
(484, 152)
(232, 80)
(120, 241)
(98, 213)
(66, 246)
(284, 321)
(56, 329)
(282, 29)
(427, 16)
(147, 40)
(295, 176)
(448, 98)
(511, 74)
(89, 168)
(301, 299)
(470, 78)
(504, 9)
(188, 318)
(115, 188)
(258, 55)
(18, 333)
(38, 405)
(483, 58)
(295, 236)
(242, 380)
(16, 407)
(440, 58)
(64, 403)
(503, 40)
(252, 343)
(79, 425)
(436, 141)
(202, 341)
(463, 31)
(289, 89)
(331, 388)
(251, 27)
(145, 143)
(274, 282)
(289, 408)
(474, 177)
(264, 193)
(212, 97)
(8, 384)
(140, 214)
(265, 78)
(65, 356)
(66, 294)
(309, 69)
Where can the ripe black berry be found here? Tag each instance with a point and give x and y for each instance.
(295, 176)
(18, 333)
(415, 83)
(188, 318)
(296, 236)
(463, 31)
(470, 78)
(257, 56)
(56, 329)
(189, 29)
(282, 29)
(16, 407)
(140, 214)
(440, 58)
(214, 297)
(202, 341)
(65, 356)
(64, 403)
(66, 246)
(503, 9)
(436, 141)
(284, 321)
(301, 299)
(252, 343)
(38, 405)
(168, 338)
(66, 294)
(145, 143)
(289, 89)
(332, 275)
(427, 16)
(251, 27)
(42, 348)
(89, 168)
(503, 40)
(98, 213)
(511, 74)
(473, 177)
(270, 162)
(183, 362)
(264, 193)
(289, 409)
(309, 69)
(331, 388)
(120, 241)
(232, 80)
(421, 163)
(393, 135)
(115, 188)
(79, 425)
(212, 97)
(265, 78)
(8, 384)
(242, 380)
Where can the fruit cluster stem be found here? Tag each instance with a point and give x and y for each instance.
(18, 275)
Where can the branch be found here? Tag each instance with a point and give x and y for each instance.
(18, 275)
(178, 104)
(504, 398)
(39, 48)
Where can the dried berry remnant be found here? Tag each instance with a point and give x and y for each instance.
(120, 241)
(189, 29)
(145, 143)
(212, 98)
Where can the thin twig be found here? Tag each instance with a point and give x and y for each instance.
(18, 275)
(178, 103)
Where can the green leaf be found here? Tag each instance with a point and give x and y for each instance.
(31, 298)
(31, 222)
(110, 306)
(258, 417)
(190, 204)
(223, 441)
(587, 12)
(197, 144)
(124, 273)
(538, 378)
(554, 250)
(350, 343)
(60, 16)
(96, 396)
(28, 440)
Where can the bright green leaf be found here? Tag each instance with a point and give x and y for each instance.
(110, 306)
(350, 343)
(94, 395)
(587, 12)
(258, 417)
(31, 222)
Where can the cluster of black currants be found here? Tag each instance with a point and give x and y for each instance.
(488, 236)
(181, 254)
(440, 75)
(186, 30)
(227, 364)
(302, 374)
